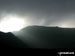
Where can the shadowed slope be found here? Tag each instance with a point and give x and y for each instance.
(49, 37)
(8, 40)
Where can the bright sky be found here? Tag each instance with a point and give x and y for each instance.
(11, 23)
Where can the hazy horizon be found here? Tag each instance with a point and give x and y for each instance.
(59, 13)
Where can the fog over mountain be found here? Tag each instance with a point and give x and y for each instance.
(53, 20)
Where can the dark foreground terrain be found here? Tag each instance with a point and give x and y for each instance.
(8, 40)
(39, 37)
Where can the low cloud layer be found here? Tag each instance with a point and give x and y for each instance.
(41, 12)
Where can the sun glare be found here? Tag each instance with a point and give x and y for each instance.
(11, 23)
(67, 25)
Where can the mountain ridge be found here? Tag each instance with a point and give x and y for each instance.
(49, 37)
(44, 37)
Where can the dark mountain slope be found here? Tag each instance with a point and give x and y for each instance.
(48, 37)
(8, 40)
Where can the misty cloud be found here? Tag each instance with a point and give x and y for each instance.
(40, 12)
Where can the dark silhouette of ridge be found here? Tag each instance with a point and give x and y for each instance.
(8, 40)
(49, 37)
